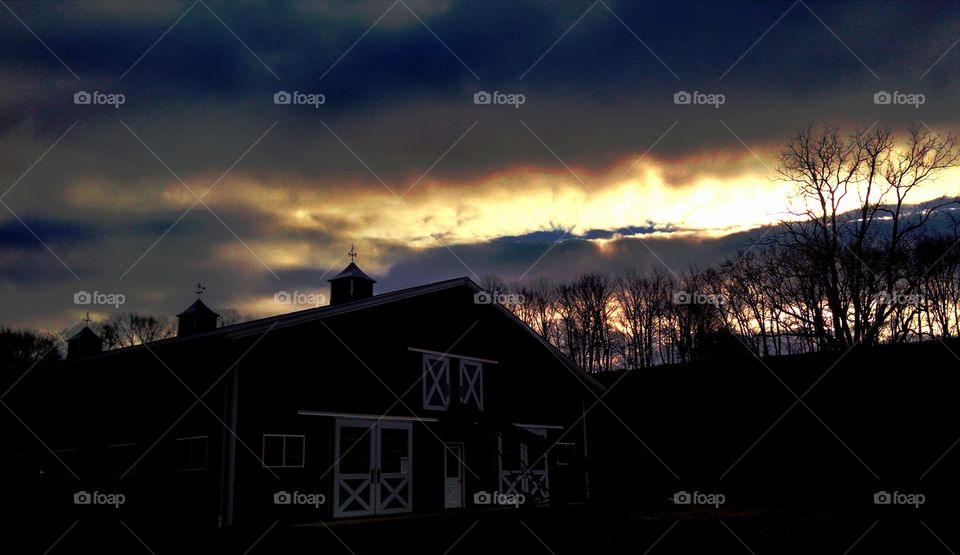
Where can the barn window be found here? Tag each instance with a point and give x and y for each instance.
(471, 384)
(191, 453)
(436, 382)
(283, 450)
(121, 458)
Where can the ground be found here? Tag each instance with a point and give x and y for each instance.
(571, 530)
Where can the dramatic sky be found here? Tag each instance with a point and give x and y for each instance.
(200, 176)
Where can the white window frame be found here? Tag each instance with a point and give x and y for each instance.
(433, 384)
(476, 386)
(565, 444)
(206, 453)
(283, 452)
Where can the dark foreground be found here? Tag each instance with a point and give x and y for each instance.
(573, 530)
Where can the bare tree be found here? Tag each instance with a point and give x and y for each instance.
(129, 329)
(230, 316)
(641, 301)
(20, 349)
(852, 259)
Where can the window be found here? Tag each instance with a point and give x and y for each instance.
(191, 453)
(564, 453)
(471, 384)
(436, 382)
(283, 451)
(120, 458)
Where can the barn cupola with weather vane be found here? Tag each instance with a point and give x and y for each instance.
(197, 318)
(351, 284)
(85, 342)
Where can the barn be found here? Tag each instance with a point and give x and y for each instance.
(429, 399)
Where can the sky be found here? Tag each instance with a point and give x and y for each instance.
(186, 166)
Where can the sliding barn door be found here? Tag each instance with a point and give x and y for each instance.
(354, 456)
(373, 468)
(394, 482)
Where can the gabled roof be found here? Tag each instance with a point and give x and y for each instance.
(198, 308)
(257, 327)
(352, 270)
(85, 333)
(261, 326)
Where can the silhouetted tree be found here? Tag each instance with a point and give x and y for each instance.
(21, 349)
(129, 329)
(854, 261)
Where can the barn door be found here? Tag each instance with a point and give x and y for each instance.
(354, 469)
(436, 382)
(373, 471)
(453, 484)
(524, 468)
(471, 384)
(394, 483)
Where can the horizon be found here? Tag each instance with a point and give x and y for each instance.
(408, 131)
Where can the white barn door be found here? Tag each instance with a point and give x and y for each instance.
(523, 468)
(372, 468)
(394, 480)
(354, 456)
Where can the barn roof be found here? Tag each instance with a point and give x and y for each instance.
(257, 327)
(198, 307)
(352, 270)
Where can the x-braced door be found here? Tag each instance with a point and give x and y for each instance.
(372, 469)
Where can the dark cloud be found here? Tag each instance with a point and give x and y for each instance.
(398, 100)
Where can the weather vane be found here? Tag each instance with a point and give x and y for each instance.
(87, 319)
(352, 254)
(200, 289)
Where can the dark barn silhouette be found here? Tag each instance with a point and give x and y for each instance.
(423, 400)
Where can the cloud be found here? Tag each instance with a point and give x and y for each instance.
(599, 151)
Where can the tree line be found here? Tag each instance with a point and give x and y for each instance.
(853, 263)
